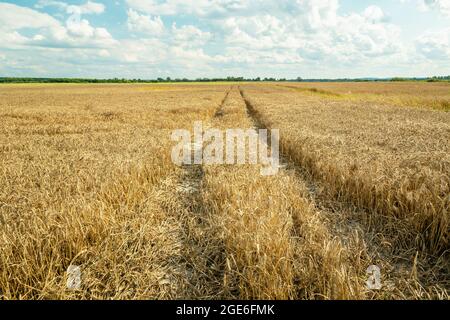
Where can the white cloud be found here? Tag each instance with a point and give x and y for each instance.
(442, 6)
(315, 32)
(51, 3)
(48, 32)
(259, 37)
(13, 17)
(294, 31)
(90, 7)
(434, 46)
(104, 53)
(196, 7)
(374, 14)
(143, 23)
(80, 28)
(259, 31)
(190, 36)
(319, 14)
(144, 51)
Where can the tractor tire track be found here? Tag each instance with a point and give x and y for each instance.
(342, 219)
(202, 250)
(346, 223)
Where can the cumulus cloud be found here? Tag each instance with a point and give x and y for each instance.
(434, 46)
(13, 17)
(190, 36)
(90, 7)
(48, 31)
(51, 3)
(374, 14)
(191, 7)
(143, 51)
(442, 6)
(243, 36)
(315, 31)
(144, 23)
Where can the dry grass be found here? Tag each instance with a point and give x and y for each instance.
(272, 238)
(406, 94)
(87, 179)
(390, 162)
(81, 173)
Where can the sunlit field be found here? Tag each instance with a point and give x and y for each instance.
(87, 179)
(434, 95)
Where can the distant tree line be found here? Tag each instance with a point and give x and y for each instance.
(227, 79)
(123, 80)
(437, 79)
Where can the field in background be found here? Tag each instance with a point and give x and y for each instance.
(86, 179)
(432, 95)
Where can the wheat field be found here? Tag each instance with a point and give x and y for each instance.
(87, 179)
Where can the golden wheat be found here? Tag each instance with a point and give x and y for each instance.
(87, 179)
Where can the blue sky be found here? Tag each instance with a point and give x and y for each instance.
(219, 38)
